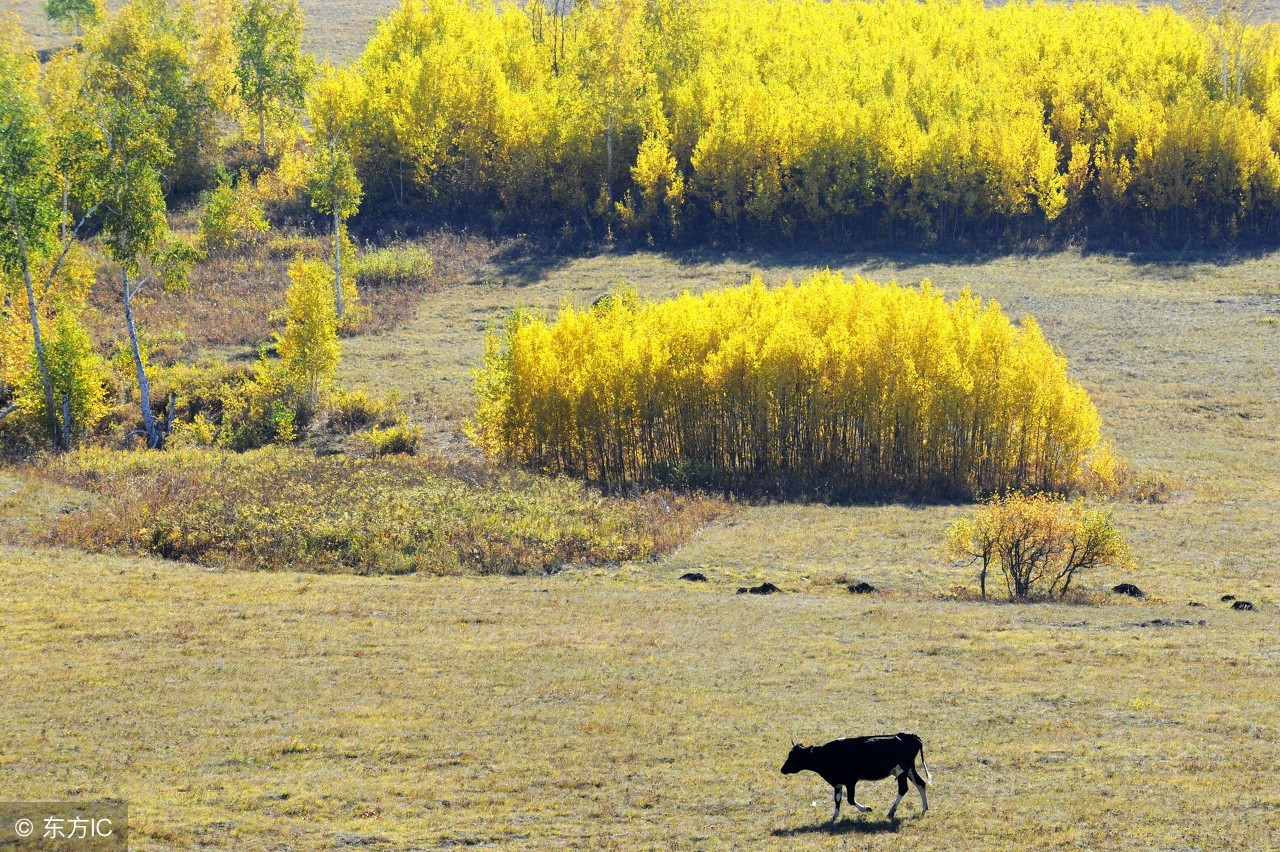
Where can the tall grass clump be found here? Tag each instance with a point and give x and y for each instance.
(832, 388)
(397, 266)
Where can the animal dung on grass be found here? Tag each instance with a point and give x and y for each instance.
(762, 589)
(848, 760)
(830, 387)
(1128, 589)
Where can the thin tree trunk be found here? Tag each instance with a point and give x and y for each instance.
(608, 169)
(144, 386)
(66, 421)
(262, 132)
(42, 360)
(337, 260)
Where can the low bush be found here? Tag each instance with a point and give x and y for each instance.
(354, 410)
(1110, 475)
(1038, 543)
(233, 216)
(238, 407)
(402, 438)
(279, 508)
(397, 266)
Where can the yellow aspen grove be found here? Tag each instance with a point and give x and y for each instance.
(833, 388)
(846, 120)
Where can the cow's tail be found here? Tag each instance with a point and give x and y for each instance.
(919, 744)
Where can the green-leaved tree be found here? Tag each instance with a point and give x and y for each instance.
(74, 13)
(28, 213)
(271, 68)
(30, 250)
(335, 189)
(126, 64)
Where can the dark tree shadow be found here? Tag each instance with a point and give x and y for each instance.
(845, 826)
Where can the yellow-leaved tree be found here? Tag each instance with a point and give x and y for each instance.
(308, 346)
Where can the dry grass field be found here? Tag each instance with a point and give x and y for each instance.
(336, 29)
(619, 707)
(274, 711)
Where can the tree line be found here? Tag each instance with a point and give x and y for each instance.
(651, 120)
(845, 120)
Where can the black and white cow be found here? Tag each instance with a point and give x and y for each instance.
(846, 761)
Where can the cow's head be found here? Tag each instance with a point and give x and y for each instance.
(797, 759)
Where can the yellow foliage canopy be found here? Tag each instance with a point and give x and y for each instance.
(831, 387)
(844, 118)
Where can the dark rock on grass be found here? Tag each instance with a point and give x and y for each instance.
(863, 588)
(762, 589)
(694, 577)
(1243, 606)
(1226, 598)
(1128, 589)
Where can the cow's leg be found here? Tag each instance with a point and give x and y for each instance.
(836, 813)
(853, 788)
(902, 789)
(919, 782)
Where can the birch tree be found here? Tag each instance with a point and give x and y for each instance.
(1231, 26)
(133, 153)
(333, 185)
(271, 68)
(28, 213)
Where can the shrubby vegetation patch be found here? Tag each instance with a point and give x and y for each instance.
(279, 508)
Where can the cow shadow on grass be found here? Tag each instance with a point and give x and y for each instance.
(847, 826)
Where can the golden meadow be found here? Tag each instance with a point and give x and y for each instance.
(835, 388)
(744, 119)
